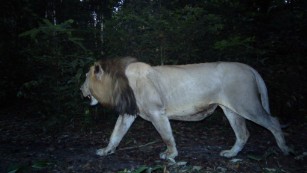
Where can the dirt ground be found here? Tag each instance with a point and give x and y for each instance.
(25, 147)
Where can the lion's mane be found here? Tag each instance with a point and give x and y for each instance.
(114, 78)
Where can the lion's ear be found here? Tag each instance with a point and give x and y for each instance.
(98, 71)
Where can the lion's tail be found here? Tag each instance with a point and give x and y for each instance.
(263, 91)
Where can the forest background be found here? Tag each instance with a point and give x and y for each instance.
(47, 46)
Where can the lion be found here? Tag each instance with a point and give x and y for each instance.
(180, 92)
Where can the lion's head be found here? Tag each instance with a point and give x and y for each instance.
(107, 83)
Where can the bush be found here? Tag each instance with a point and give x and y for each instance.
(55, 61)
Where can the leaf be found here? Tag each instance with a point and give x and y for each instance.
(270, 170)
(77, 42)
(181, 163)
(235, 160)
(47, 22)
(69, 21)
(16, 168)
(157, 168)
(40, 164)
(31, 33)
(269, 153)
(14, 171)
(255, 157)
(196, 168)
(140, 169)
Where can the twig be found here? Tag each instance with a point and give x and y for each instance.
(140, 146)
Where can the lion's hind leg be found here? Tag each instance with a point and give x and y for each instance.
(239, 127)
(273, 125)
(278, 134)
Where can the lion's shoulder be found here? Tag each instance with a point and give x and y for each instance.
(138, 69)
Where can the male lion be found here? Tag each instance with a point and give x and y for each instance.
(180, 92)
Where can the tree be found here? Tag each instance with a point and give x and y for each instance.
(61, 38)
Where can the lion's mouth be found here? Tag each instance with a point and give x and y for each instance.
(93, 100)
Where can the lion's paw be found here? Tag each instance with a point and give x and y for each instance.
(286, 150)
(104, 152)
(168, 155)
(228, 153)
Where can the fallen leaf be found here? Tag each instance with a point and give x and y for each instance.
(235, 160)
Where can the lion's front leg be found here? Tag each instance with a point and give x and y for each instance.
(163, 126)
(122, 125)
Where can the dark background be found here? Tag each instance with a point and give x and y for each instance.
(47, 46)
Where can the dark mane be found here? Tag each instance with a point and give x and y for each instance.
(123, 97)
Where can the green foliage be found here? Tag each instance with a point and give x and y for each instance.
(37, 165)
(160, 36)
(233, 42)
(182, 35)
(56, 62)
(236, 48)
(49, 59)
(147, 169)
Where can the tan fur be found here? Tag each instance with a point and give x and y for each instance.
(184, 92)
(98, 87)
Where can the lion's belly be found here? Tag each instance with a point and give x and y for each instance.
(191, 113)
(195, 101)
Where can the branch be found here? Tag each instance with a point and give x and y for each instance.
(140, 146)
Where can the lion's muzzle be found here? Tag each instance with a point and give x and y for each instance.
(93, 101)
(86, 93)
